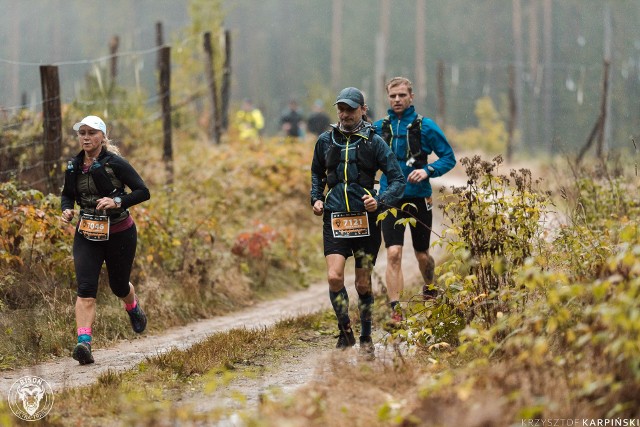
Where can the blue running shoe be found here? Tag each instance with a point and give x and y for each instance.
(138, 319)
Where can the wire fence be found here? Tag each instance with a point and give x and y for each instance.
(24, 144)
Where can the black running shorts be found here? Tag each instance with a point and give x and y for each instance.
(420, 234)
(359, 247)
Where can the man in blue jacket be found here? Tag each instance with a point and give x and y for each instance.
(412, 138)
(346, 159)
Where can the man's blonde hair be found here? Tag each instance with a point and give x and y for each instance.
(399, 81)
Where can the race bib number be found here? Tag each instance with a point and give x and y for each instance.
(349, 224)
(94, 227)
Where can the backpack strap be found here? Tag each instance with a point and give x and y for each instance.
(386, 131)
(101, 177)
(414, 135)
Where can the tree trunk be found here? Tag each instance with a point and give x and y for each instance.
(605, 137)
(336, 45)
(547, 94)
(513, 113)
(14, 48)
(518, 69)
(382, 40)
(420, 88)
(534, 134)
(441, 115)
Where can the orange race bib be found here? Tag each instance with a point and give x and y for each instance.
(94, 227)
(349, 224)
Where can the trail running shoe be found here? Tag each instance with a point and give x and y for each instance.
(346, 338)
(396, 317)
(366, 348)
(138, 319)
(82, 353)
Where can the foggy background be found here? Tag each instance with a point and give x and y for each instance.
(282, 49)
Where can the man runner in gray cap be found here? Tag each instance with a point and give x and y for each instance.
(345, 161)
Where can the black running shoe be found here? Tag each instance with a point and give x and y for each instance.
(82, 353)
(366, 348)
(138, 319)
(346, 338)
(429, 292)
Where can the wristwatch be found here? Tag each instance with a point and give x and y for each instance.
(118, 201)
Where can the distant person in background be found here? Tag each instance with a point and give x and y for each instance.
(350, 207)
(249, 120)
(412, 139)
(318, 120)
(95, 179)
(368, 117)
(291, 121)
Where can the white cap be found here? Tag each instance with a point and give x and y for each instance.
(94, 122)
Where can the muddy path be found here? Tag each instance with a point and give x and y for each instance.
(291, 372)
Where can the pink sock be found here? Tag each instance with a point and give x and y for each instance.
(84, 331)
(131, 306)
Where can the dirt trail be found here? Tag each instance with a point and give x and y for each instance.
(66, 373)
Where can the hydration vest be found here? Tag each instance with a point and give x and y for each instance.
(104, 179)
(414, 140)
(365, 162)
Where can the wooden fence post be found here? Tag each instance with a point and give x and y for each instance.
(114, 43)
(598, 128)
(214, 124)
(164, 63)
(52, 124)
(226, 80)
(159, 39)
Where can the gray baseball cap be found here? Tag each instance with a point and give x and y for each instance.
(351, 96)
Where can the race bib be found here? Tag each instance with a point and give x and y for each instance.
(94, 227)
(349, 224)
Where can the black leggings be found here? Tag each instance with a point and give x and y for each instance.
(118, 252)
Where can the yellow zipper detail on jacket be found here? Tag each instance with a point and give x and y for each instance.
(346, 165)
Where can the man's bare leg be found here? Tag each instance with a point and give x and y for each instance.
(393, 274)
